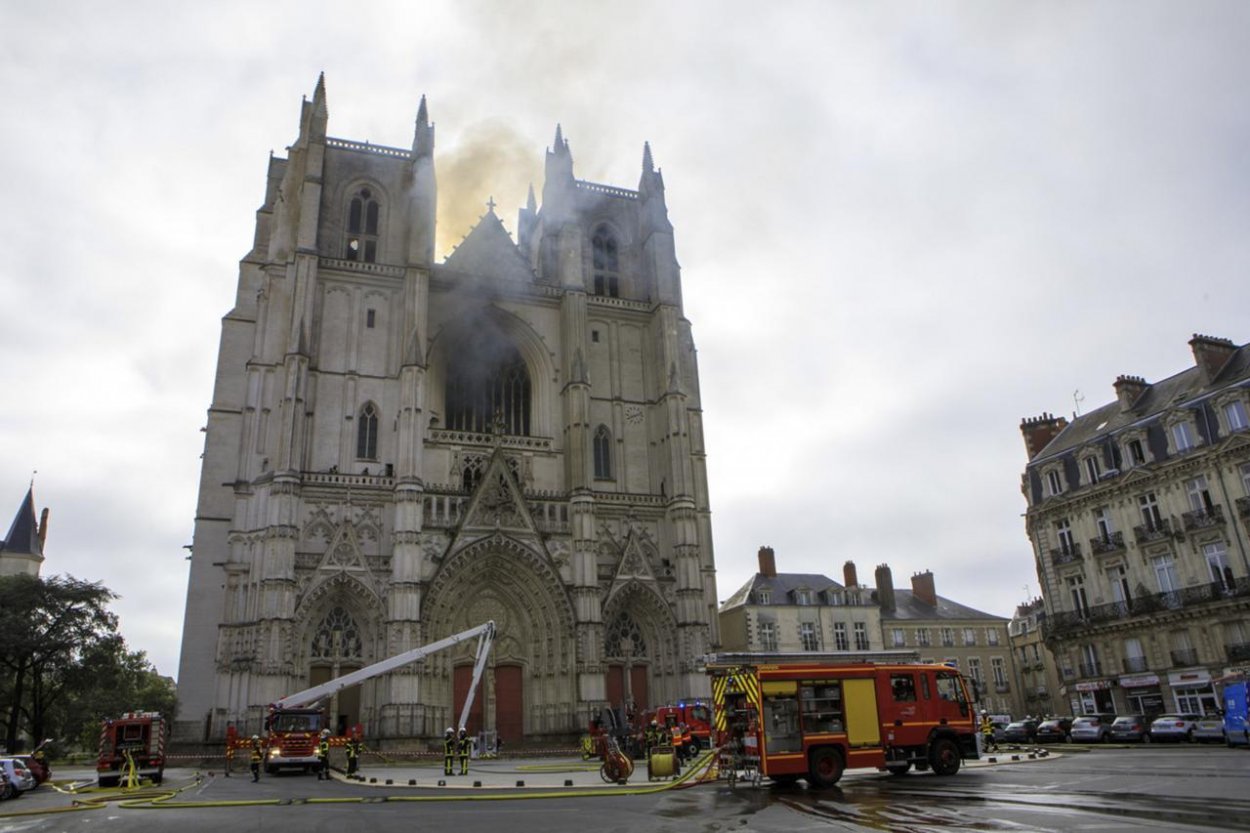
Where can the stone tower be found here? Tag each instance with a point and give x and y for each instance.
(399, 449)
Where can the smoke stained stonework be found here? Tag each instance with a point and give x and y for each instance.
(323, 543)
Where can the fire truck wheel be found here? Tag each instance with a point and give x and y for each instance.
(785, 780)
(825, 767)
(944, 757)
(898, 769)
(109, 780)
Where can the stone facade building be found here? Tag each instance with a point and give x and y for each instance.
(789, 612)
(1138, 514)
(1035, 671)
(399, 449)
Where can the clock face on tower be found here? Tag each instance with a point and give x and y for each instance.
(633, 415)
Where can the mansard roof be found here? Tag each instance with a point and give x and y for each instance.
(489, 251)
(23, 534)
(909, 608)
(781, 586)
(1158, 398)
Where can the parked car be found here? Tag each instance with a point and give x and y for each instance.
(17, 773)
(1021, 731)
(1176, 727)
(1054, 730)
(1209, 729)
(1092, 728)
(7, 790)
(1132, 728)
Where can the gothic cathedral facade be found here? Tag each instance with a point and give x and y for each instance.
(398, 450)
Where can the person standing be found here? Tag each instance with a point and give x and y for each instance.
(449, 750)
(255, 756)
(463, 748)
(323, 756)
(987, 732)
(353, 754)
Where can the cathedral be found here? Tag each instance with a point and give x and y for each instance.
(400, 449)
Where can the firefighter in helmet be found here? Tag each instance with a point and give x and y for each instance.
(254, 757)
(652, 736)
(449, 750)
(353, 754)
(323, 756)
(987, 732)
(464, 746)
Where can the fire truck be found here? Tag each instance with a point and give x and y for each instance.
(696, 714)
(294, 725)
(133, 743)
(812, 715)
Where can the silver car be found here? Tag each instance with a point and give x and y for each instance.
(1177, 727)
(1209, 729)
(1092, 728)
(19, 776)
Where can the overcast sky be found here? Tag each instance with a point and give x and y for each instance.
(902, 228)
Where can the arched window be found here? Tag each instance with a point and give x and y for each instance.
(607, 273)
(362, 227)
(603, 453)
(488, 389)
(337, 637)
(623, 636)
(367, 433)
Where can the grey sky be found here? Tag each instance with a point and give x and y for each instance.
(902, 228)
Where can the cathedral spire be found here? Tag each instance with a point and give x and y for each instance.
(647, 165)
(317, 115)
(423, 134)
(530, 203)
(559, 143)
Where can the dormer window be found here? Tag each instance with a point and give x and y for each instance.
(1183, 437)
(1093, 470)
(1234, 415)
(803, 597)
(362, 228)
(763, 597)
(1054, 483)
(607, 272)
(1135, 452)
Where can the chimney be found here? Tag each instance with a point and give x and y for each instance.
(885, 587)
(922, 588)
(1128, 389)
(1039, 431)
(1211, 354)
(768, 563)
(849, 577)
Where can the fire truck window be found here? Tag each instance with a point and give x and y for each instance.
(924, 686)
(781, 725)
(132, 733)
(904, 687)
(949, 689)
(701, 713)
(822, 707)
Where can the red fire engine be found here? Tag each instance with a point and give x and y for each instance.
(294, 725)
(812, 716)
(696, 714)
(133, 743)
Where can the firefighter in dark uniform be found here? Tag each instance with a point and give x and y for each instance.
(464, 746)
(449, 750)
(651, 738)
(353, 754)
(323, 756)
(254, 757)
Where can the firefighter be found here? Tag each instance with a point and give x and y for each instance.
(323, 756)
(254, 758)
(353, 754)
(463, 747)
(987, 732)
(449, 750)
(651, 737)
(231, 738)
(674, 732)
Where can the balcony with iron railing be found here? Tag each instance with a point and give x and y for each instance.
(1091, 669)
(1184, 656)
(1211, 516)
(1238, 653)
(1157, 531)
(1063, 622)
(1066, 554)
(1107, 544)
(1134, 665)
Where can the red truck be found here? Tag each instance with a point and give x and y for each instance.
(134, 742)
(813, 716)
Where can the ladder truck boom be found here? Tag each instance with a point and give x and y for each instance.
(485, 634)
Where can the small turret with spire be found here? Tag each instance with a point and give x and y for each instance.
(559, 186)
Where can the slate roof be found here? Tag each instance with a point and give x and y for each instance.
(909, 608)
(23, 534)
(780, 585)
(1159, 397)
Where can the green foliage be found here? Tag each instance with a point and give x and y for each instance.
(64, 666)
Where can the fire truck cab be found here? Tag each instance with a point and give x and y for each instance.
(696, 714)
(135, 738)
(808, 716)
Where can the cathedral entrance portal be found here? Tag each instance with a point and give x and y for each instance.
(509, 702)
(460, 690)
(636, 694)
(337, 650)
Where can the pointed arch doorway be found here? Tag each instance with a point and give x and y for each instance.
(502, 685)
(337, 649)
(626, 650)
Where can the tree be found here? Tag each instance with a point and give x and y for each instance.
(49, 626)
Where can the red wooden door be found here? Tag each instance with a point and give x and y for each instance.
(616, 685)
(638, 687)
(509, 702)
(460, 688)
